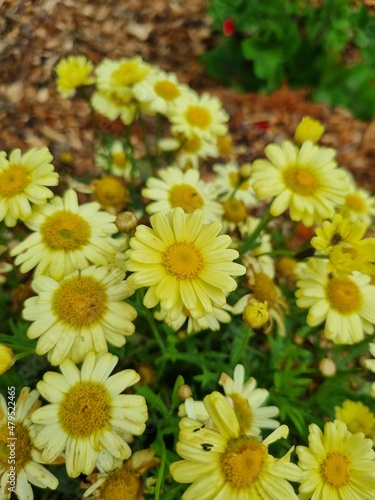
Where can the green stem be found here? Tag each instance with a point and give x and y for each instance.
(161, 470)
(249, 243)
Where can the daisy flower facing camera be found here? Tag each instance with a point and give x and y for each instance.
(88, 414)
(305, 180)
(183, 262)
(21, 451)
(337, 464)
(220, 462)
(73, 72)
(80, 313)
(67, 237)
(23, 181)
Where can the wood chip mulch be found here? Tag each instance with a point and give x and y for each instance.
(35, 34)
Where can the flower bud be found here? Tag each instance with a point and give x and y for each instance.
(7, 358)
(256, 314)
(126, 221)
(308, 129)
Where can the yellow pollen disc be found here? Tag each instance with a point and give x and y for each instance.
(234, 210)
(264, 289)
(14, 180)
(192, 145)
(23, 447)
(183, 260)
(199, 117)
(344, 295)
(242, 462)
(167, 90)
(110, 191)
(301, 181)
(65, 230)
(243, 412)
(80, 301)
(234, 179)
(119, 159)
(355, 203)
(122, 484)
(186, 197)
(335, 470)
(85, 409)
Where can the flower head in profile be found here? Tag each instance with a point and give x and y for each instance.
(23, 181)
(125, 482)
(357, 417)
(346, 303)
(67, 236)
(308, 129)
(183, 262)
(88, 415)
(7, 358)
(73, 72)
(305, 180)
(24, 455)
(178, 189)
(337, 464)
(222, 462)
(193, 115)
(82, 312)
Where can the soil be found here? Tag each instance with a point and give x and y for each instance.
(35, 34)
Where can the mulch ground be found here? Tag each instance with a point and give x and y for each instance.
(35, 34)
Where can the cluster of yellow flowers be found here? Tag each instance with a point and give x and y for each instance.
(85, 269)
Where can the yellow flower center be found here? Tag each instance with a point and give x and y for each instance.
(65, 230)
(122, 484)
(344, 295)
(335, 470)
(167, 90)
(192, 145)
(242, 461)
(355, 203)
(80, 301)
(243, 412)
(119, 159)
(186, 197)
(18, 449)
(264, 289)
(13, 180)
(110, 192)
(183, 260)
(199, 117)
(129, 73)
(234, 210)
(234, 178)
(301, 180)
(85, 409)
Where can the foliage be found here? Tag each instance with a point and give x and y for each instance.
(325, 46)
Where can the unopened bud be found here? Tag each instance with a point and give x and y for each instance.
(256, 314)
(327, 367)
(126, 221)
(245, 170)
(308, 129)
(7, 358)
(184, 392)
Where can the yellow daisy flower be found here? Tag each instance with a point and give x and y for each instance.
(157, 91)
(337, 464)
(73, 72)
(183, 262)
(308, 129)
(80, 313)
(221, 462)
(359, 205)
(121, 74)
(88, 414)
(189, 150)
(124, 483)
(23, 181)
(357, 417)
(113, 105)
(111, 193)
(341, 239)
(20, 458)
(193, 115)
(346, 303)
(179, 189)
(304, 180)
(231, 183)
(67, 236)
(115, 160)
